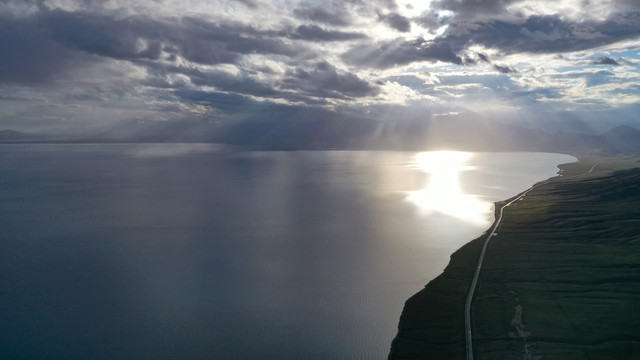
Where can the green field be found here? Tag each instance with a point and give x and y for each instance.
(561, 280)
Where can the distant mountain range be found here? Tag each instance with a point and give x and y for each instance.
(13, 136)
(452, 132)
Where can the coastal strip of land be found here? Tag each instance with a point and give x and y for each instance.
(560, 280)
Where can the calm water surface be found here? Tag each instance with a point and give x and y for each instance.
(194, 251)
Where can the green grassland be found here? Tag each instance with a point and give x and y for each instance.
(561, 279)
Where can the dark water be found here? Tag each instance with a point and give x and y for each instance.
(198, 252)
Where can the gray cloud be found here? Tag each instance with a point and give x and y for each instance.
(28, 55)
(472, 58)
(536, 34)
(239, 84)
(337, 17)
(543, 34)
(396, 21)
(504, 69)
(374, 5)
(316, 33)
(470, 8)
(428, 20)
(324, 80)
(138, 37)
(401, 52)
(321, 81)
(605, 60)
(252, 4)
(120, 39)
(203, 37)
(231, 103)
(350, 12)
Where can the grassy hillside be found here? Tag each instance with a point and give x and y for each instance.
(561, 279)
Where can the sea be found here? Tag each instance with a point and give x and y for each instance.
(203, 251)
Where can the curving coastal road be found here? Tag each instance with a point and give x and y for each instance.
(467, 306)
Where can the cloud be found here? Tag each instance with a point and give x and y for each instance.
(325, 81)
(28, 55)
(337, 17)
(311, 85)
(543, 34)
(242, 83)
(605, 60)
(207, 42)
(252, 4)
(152, 59)
(504, 69)
(138, 37)
(399, 51)
(95, 34)
(316, 33)
(230, 103)
(483, 57)
(396, 21)
(428, 20)
(472, 8)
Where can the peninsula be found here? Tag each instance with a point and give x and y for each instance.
(560, 278)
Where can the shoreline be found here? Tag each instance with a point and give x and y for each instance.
(457, 272)
(423, 331)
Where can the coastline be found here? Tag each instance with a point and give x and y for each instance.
(432, 322)
(427, 334)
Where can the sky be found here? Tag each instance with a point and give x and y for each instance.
(93, 64)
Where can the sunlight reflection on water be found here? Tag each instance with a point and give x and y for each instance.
(443, 194)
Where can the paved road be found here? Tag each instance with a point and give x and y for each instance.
(467, 306)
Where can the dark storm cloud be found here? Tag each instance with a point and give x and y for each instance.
(28, 55)
(48, 42)
(396, 21)
(337, 17)
(205, 39)
(627, 5)
(33, 48)
(95, 34)
(544, 34)
(241, 84)
(401, 52)
(316, 33)
(535, 34)
(324, 80)
(347, 12)
(605, 60)
(428, 20)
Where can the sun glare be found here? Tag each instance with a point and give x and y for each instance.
(443, 193)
